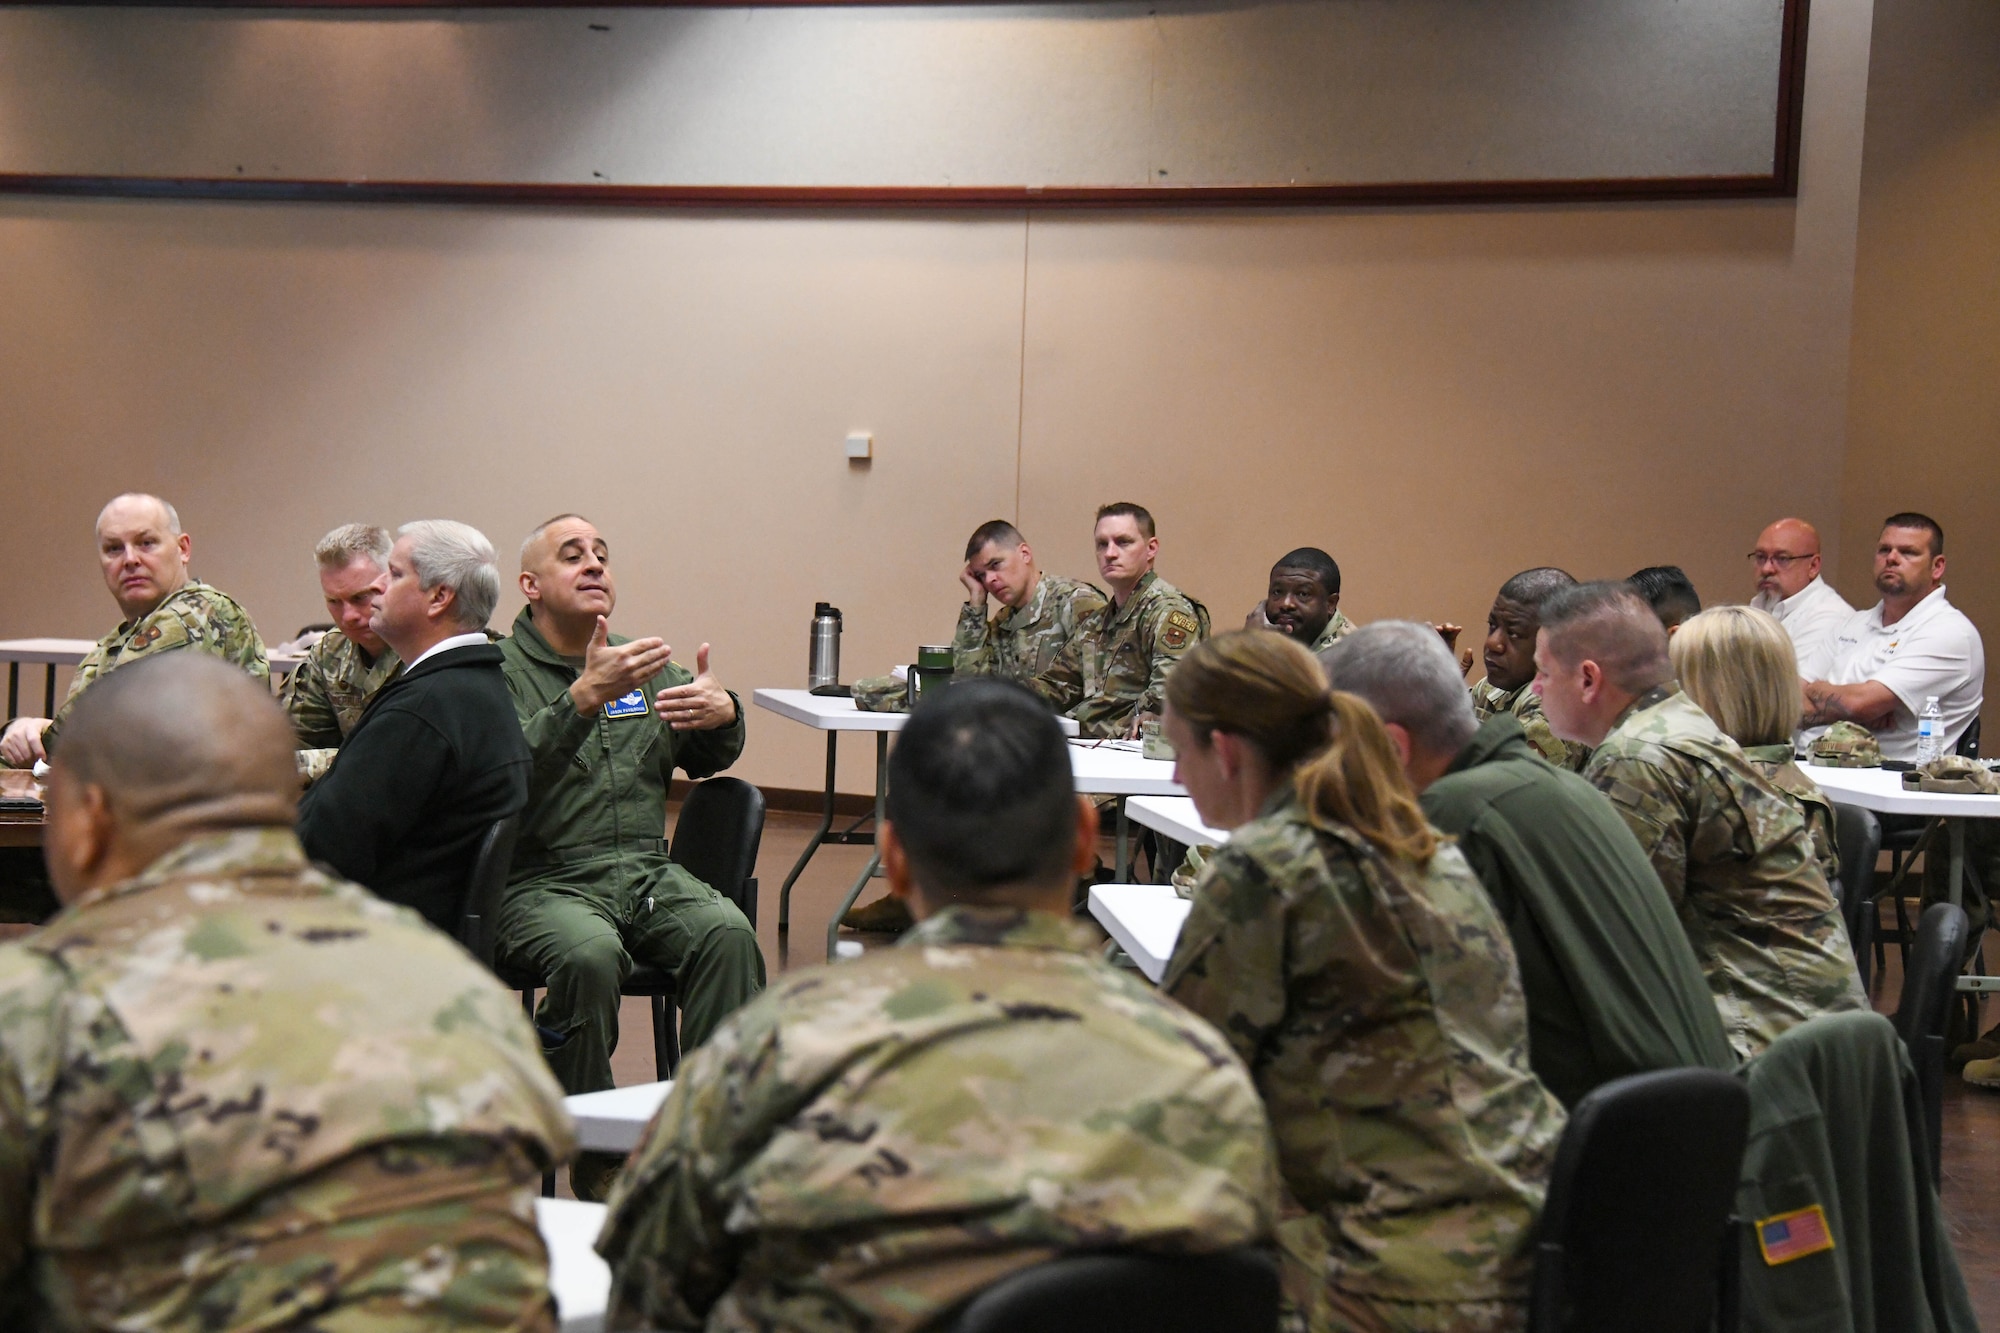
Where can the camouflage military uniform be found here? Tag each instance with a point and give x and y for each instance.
(1128, 650)
(1338, 628)
(205, 619)
(1737, 862)
(328, 693)
(1040, 645)
(1526, 706)
(236, 1093)
(1380, 1009)
(867, 1144)
(1775, 762)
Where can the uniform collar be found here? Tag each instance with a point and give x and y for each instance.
(1498, 737)
(533, 644)
(230, 852)
(1030, 610)
(1659, 694)
(999, 928)
(1931, 602)
(1146, 580)
(1780, 753)
(127, 626)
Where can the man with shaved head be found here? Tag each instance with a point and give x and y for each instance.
(1509, 686)
(236, 1092)
(1733, 853)
(592, 891)
(1789, 586)
(145, 558)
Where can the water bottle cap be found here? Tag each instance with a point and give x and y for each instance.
(825, 609)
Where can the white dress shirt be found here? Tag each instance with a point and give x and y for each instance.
(1933, 649)
(1812, 616)
(445, 646)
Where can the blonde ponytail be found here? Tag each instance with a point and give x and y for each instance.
(1269, 690)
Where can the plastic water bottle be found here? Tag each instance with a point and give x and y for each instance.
(1930, 731)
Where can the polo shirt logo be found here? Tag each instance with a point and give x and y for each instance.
(630, 704)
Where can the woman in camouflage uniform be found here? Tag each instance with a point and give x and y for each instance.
(1360, 970)
(1739, 665)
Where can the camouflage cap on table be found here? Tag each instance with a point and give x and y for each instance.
(1847, 745)
(1955, 774)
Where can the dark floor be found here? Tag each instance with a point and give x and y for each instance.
(1971, 1115)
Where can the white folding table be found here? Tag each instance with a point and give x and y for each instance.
(1117, 768)
(613, 1120)
(1175, 817)
(834, 715)
(52, 653)
(578, 1279)
(1145, 919)
(1881, 790)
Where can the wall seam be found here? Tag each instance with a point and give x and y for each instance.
(1021, 388)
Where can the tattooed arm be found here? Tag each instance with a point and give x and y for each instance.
(1871, 703)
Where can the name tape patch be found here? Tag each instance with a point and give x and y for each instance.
(1794, 1235)
(631, 704)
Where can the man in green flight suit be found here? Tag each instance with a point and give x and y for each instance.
(592, 889)
(1613, 987)
(145, 558)
(1509, 686)
(330, 690)
(1136, 638)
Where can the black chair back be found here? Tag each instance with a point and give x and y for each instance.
(1674, 1139)
(1968, 741)
(1859, 835)
(481, 913)
(1130, 1292)
(1930, 976)
(716, 838)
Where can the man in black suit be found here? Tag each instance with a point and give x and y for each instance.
(437, 757)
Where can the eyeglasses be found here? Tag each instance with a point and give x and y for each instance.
(1761, 558)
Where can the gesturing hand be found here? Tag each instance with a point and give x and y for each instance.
(611, 671)
(701, 704)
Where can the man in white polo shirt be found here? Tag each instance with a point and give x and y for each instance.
(1786, 562)
(1911, 645)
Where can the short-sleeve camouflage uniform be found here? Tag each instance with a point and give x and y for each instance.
(197, 616)
(327, 694)
(1039, 645)
(1380, 1008)
(237, 1093)
(1526, 706)
(1738, 863)
(867, 1144)
(1128, 650)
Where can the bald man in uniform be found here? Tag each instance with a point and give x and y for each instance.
(145, 557)
(1789, 586)
(236, 1092)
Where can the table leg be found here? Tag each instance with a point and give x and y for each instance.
(1123, 875)
(49, 692)
(13, 690)
(1955, 830)
(813, 843)
(868, 871)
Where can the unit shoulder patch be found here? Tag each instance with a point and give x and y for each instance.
(1794, 1235)
(1180, 629)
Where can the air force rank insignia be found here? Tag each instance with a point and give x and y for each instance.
(632, 704)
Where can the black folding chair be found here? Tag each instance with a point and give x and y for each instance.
(481, 909)
(1906, 836)
(716, 838)
(1859, 835)
(1232, 1291)
(1930, 973)
(1637, 1234)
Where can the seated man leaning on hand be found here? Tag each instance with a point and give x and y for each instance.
(592, 889)
(235, 1092)
(436, 761)
(1036, 637)
(1613, 987)
(869, 1143)
(1734, 856)
(145, 558)
(329, 691)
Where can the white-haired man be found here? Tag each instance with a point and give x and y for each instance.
(437, 759)
(326, 695)
(145, 558)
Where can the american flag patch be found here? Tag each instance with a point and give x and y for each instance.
(1790, 1236)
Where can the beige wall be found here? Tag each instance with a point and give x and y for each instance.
(1440, 397)
(1924, 410)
